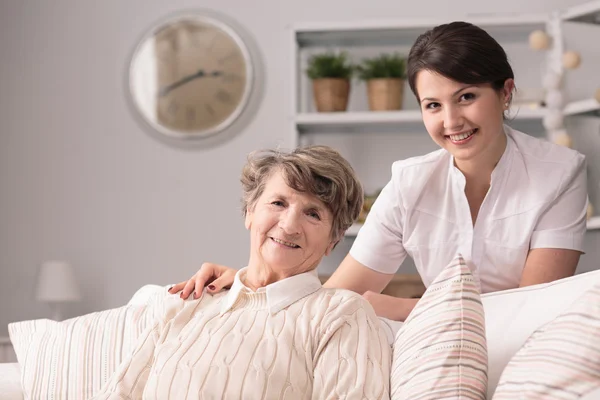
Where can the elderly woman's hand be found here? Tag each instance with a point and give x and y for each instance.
(215, 276)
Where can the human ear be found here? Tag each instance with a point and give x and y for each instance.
(248, 219)
(331, 246)
(507, 91)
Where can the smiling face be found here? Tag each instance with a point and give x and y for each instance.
(290, 231)
(464, 119)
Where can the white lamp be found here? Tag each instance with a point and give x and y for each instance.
(56, 285)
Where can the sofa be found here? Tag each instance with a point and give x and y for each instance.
(511, 317)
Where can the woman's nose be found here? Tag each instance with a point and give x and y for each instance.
(289, 222)
(453, 119)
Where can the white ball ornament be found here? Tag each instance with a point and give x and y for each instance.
(552, 81)
(557, 132)
(554, 99)
(571, 59)
(563, 139)
(553, 121)
(539, 40)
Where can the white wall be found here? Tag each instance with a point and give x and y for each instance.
(80, 179)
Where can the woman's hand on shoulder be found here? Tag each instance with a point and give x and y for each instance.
(215, 276)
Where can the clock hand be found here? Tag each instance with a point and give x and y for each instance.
(200, 74)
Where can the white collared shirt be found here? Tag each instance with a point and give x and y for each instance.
(537, 199)
(279, 295)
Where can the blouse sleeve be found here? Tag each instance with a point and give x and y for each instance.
(563, 224)
(378, 245)
(354, 356)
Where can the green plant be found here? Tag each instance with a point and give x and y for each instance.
(330, 65)
(382, 66)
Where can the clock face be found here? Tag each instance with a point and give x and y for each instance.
(191, 77)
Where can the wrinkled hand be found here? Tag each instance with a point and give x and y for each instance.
(385, 306)
(215, 276)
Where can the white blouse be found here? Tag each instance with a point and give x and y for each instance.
(537, 199)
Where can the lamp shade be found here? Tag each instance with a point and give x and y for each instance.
(57, 283)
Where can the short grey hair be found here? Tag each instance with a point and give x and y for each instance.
(317, 170)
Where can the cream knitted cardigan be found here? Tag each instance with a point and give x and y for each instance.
(290, 340)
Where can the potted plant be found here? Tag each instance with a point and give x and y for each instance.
(385, 76)
(330, 73)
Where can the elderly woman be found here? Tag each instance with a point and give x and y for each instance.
(277, 333)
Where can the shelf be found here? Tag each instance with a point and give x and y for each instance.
(593, 223)
(587, 12)
(353, 121)
(357, 121)
(353, 230)
(588, 107)
(504, 28)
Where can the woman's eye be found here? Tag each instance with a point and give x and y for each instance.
(431, 106)
(314, 214)
(277, 203)
(467, 96)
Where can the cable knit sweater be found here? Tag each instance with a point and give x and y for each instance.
(293, 339)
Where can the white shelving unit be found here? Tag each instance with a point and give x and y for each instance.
(353, 230)
(593, 223)
(587, 12)
(507, 29)
(583, 107)
(353, 120)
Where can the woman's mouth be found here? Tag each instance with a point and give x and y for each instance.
(464, 137)
(286, 244)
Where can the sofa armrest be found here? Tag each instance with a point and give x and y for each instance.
(10, 382)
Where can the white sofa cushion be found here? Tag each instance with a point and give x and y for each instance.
(513, 315)
(560, 360)
(10, 384)
(440, 351)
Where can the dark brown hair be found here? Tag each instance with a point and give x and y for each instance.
(317, 170)
(462, 52)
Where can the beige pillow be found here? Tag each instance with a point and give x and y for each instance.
(560, 360)
(440, 351)
(72, 359)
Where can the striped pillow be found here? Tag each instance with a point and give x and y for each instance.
(560, 360)
(72, 359)
(440, 351)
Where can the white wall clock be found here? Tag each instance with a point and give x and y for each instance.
(191, 76)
